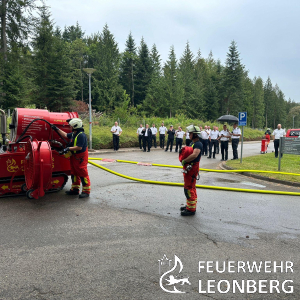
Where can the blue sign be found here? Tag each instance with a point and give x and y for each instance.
(242, 118)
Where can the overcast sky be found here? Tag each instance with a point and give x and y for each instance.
(266, 31)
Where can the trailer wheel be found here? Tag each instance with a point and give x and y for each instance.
(29, 194)
(24, 188)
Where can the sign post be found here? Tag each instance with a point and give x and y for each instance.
(288, 146)
(242, 122)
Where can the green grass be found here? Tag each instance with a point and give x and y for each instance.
(268, 162)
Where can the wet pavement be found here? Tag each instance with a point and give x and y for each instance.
(108, 246)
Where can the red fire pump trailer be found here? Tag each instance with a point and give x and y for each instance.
(29, 161)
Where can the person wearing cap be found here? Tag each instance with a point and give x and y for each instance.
(116, 131)
(224, 137)
(213, 141)
(162, 134)
(277, 134)
(179, 138)
(235, 138)
(140, 135)
(171, 135)
(154, 132)
(190, 174)
(77, 150)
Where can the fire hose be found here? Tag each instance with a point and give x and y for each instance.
(198, 186)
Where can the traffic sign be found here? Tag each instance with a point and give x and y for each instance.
(242, 118)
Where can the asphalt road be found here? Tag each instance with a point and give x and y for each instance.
(108, 246)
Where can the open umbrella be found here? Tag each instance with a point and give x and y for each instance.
(228, 119)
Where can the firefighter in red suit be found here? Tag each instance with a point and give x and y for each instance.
(78, 150)
(190, 159)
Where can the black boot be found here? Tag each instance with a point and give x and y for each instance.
(182, 208)
(186, 212)
(72, 192)
(84, 195)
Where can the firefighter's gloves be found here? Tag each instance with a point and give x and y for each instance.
(54, 128)
(64, 151)
(183, 162)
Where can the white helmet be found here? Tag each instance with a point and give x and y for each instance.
(76, 123)
(193, 129)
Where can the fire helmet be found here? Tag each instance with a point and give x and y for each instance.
(76, 123)
(193, 129)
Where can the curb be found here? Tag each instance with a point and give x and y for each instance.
(289, 183)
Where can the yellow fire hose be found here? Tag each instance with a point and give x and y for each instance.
(205, 170)
(181, 184)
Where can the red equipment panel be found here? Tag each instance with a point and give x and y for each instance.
(40, 130)
(38, 165)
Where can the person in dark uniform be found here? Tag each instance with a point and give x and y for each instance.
(191, 175)
(171, 135)
(147, 138)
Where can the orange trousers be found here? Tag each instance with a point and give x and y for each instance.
(190, 187)
(79, 172)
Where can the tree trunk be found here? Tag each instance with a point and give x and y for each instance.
(3, 29)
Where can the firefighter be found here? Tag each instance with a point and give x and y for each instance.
(78, 150)
(191, 170)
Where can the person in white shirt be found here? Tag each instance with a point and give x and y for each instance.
(213, 141)
(179, 138)
(205, 134)
(139, 134)
(235, 138)
(154, 132)
(187, 138)
(116, 131)
(162, 133)
(224, 137)
(277, 134)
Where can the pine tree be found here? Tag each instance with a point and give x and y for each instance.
(17, 82)
(104, 56)
(128, 67)
(191, 104)
(143, 73)
(172, 85)
(233, 75)
(71, 33)
(52, 67)
(268, 100)
(258, 103)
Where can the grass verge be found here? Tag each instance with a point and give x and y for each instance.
(268, 162)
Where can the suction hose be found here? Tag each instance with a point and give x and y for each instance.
(198, 186)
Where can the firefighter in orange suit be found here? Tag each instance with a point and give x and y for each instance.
(78, 150)
(190, 159)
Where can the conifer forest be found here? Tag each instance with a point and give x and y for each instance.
(42, 65)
